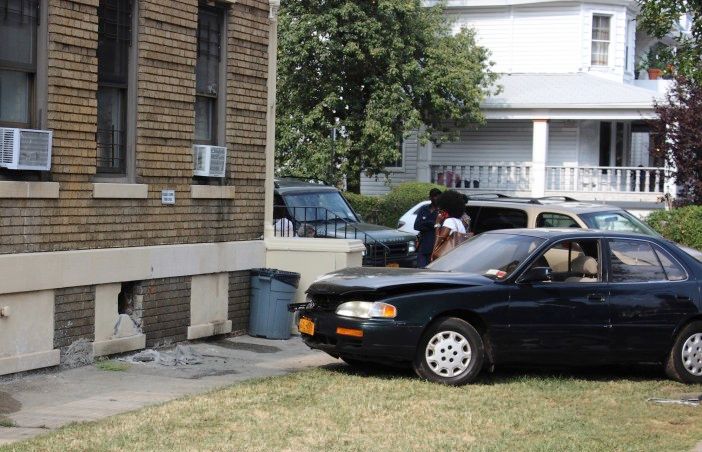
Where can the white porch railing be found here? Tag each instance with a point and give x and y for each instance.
(634, 179)
(483, 176)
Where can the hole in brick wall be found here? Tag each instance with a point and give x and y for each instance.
(125, 299)
(130, 300)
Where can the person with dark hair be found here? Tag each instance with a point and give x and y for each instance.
(450, 227)
(452, 207)
(426, 219)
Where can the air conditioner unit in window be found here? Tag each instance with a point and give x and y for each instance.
(25, 149)
(210, 161)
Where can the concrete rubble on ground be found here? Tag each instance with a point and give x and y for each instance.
(79, 353)
(182, 355)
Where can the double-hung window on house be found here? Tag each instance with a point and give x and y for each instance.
(601, 33)
(207, 74)
(18, 62)
(113, 53)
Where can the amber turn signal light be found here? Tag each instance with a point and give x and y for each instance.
(353, 332)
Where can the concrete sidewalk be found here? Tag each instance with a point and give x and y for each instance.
(37, 403)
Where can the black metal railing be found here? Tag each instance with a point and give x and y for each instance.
(111, 150)
(320, 222)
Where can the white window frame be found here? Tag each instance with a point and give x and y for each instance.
(610, 42)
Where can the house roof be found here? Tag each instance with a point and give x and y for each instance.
(567, 91)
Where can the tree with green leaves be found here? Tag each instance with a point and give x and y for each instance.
(356, 77)
(660, 18)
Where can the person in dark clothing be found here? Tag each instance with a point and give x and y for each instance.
(426, 218)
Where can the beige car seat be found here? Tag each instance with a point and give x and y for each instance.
(584, 268)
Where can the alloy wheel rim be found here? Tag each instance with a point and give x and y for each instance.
(448, 354)
(692, 354)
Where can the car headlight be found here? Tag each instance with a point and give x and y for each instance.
(367, 310)
(411, 247)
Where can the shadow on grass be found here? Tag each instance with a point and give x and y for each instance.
(507, 375)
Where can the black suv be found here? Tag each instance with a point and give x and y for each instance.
(314, 209)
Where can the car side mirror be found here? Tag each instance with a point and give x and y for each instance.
(536, 275)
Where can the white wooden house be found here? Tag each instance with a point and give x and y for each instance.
(570, 119)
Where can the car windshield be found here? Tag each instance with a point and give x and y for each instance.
(620, 221)
(320, 206)
(494, 255)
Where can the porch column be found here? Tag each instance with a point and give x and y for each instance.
(539, 154)
(270, 118)
(424, 152)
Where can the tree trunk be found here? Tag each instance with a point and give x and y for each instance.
(353, 182)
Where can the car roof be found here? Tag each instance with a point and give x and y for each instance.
(550, 233)
(287, 185)
(544, 204)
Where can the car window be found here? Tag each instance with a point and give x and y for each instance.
(555, 220)
(673, 270)
(572, 261)
(634, 261)
(472, 212)
(493, 255)
(321, 206)
(616, 221)
(492, 218)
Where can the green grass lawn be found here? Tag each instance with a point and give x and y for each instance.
(335, 408)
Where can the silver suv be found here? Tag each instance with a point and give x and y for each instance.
(503, 212)
(490, 211)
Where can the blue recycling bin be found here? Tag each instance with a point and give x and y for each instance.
(271, 293)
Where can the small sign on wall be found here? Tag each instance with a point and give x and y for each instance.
(167, 196)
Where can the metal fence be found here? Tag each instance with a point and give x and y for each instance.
(320, 222)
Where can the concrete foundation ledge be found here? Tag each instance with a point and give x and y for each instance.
(29, 361)
(119, 345)
(209, 329)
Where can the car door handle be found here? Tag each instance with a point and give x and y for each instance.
(596, 297)
(683, 298)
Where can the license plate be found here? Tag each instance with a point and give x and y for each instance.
(306, 326)
(393, 265)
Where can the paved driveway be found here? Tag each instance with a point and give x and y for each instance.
(48, 400)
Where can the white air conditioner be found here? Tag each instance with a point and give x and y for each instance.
(210, 161)
(25, 149)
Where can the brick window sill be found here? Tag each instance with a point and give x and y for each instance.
(29, 190)
(120, 191)
(212, 192)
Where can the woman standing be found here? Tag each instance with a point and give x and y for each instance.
(451, 230)
(452, 208)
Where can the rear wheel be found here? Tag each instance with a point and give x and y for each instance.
(685, 360)
(450, 352)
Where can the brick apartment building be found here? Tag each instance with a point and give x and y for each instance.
(119, 243)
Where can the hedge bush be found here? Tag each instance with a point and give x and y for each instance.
(368, 207)
(387, 210)
(682, 225)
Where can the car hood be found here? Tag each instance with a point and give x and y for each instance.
(362, 230)
(365, 279)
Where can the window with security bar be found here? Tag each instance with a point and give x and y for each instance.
(207, 73)
(114, 41)
(18, 61)
(601, 31)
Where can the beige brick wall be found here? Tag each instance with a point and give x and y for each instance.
(165, 128)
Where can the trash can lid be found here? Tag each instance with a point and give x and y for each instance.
(290, 278)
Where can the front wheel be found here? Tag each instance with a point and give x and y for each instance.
(450, 352)
(685, 360)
